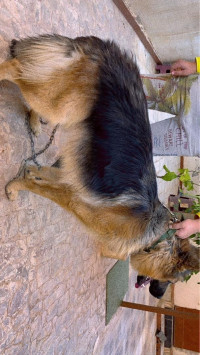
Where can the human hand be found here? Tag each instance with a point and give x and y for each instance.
(186, 228)
(183, 68)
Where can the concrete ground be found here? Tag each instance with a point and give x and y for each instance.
(52, 278)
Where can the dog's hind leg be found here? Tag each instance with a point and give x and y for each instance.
(10, 70)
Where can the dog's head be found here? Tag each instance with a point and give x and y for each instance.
(167, 263)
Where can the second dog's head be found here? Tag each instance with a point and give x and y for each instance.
(167, 263)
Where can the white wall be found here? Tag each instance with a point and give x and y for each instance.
(187, 294)
(172, 26)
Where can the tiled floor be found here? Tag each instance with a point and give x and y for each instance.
(52, 278)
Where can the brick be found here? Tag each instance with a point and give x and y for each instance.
(21, 319)
(36, 327)
(47, 288)
(64, 303)
(29, 221)
(43, 274)
(18, 300)
(12, 226)
(22, 272)
(34, 298)
(36, 310)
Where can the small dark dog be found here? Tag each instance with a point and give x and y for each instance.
(106, 176)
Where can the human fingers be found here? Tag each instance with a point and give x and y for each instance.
(181, 230)
(178, 225)
(181, 233)
(180, 72)
(178, 65)
(183, 68)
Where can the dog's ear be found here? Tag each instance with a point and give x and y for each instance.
(192, 261)
(188, 254)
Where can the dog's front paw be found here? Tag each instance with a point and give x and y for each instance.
(32, 173)
(12, 190)
(36, 128)
(35, 123)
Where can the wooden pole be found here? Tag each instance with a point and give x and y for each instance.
(159, 310)
(181, 167)
(137, 28)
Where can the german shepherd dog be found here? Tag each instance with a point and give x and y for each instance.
(106, 176)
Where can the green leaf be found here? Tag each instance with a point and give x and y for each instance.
(166, 169)
(189, 276)
(192, 236)
(185, 176)
(181, 171)
(188, 185)
(189, 210)
(169, 176)
(197, 238)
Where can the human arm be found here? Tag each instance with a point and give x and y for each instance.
(185, 68)
(187, 227)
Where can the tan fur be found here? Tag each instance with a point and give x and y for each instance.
(167, 260)
(40, 62)
(119, 232)
(114, 226)
(73, 97)
(63, 90)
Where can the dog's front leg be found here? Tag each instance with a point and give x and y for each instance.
(35, 123)
(44, 173)
(40, 184)
(107, 253)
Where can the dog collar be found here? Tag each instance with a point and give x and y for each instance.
(166, 236)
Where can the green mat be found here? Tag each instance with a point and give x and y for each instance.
(116, 287)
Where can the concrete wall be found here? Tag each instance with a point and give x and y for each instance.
(173, 30)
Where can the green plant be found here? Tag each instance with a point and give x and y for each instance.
(185, 177)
